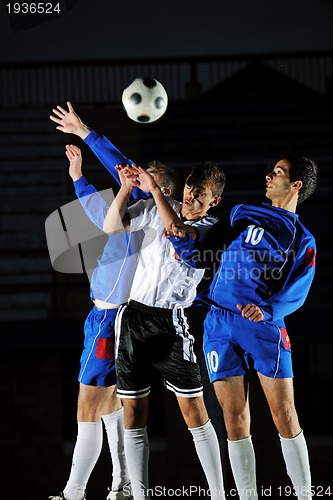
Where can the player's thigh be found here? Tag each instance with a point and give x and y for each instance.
(233, 394)
(136, 412)
(279, 392)
(95, 401)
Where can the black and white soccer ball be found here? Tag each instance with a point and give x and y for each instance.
(145, 100)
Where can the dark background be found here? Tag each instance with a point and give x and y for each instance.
(259, 83)
(108, 29)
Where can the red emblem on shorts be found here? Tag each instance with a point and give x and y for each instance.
(310, 257)
(286, 339)
(104, 349)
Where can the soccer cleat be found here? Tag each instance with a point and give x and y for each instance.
(120, 494)
(61, 496)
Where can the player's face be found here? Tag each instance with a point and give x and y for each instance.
(278, 185)
(197, 199)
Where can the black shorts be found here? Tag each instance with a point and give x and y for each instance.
(152, 336)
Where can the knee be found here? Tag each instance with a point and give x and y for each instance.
(286, 421)
(237, 424)
(86, 412)
(135, 415)
(194, 411)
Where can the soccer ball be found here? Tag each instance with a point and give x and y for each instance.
(145, 100)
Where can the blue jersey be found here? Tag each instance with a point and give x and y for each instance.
(270, 263)
(111, 279)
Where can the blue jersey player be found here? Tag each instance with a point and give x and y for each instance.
(265, 274)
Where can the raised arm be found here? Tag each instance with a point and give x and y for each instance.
(91, 200)
(117, 220)
(69, 122)
(74, 156)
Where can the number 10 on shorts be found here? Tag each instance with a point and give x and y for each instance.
(212, 361)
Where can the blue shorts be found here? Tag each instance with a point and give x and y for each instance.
(233, 345)
(97, 359)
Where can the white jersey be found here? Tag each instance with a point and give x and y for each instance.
(161, 279)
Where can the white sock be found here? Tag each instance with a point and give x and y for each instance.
(137, 457)
(114, 425)
(208, 451)
(86, 452)
(243, 466)
(295, 454)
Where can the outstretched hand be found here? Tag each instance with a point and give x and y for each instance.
(73, 153)
(251, 312)
(69, 122)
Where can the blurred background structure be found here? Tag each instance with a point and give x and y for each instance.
(243, 88)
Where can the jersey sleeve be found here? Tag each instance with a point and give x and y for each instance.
(92, 202)
(203, 226)
(110, 156)
(187, 249)
(296, 287)
(191, 250)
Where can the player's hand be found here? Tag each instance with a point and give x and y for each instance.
(176, 230)
(251, 312)
(146, 181)
(141, 178)
(69, 122)
(73, 153)
(126, 179)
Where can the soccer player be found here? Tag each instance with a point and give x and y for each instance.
(265, 274)
(110, 282)
(152, 329)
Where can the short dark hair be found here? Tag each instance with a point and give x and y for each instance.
(169, 175)
(302, 169)
(211, 172)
